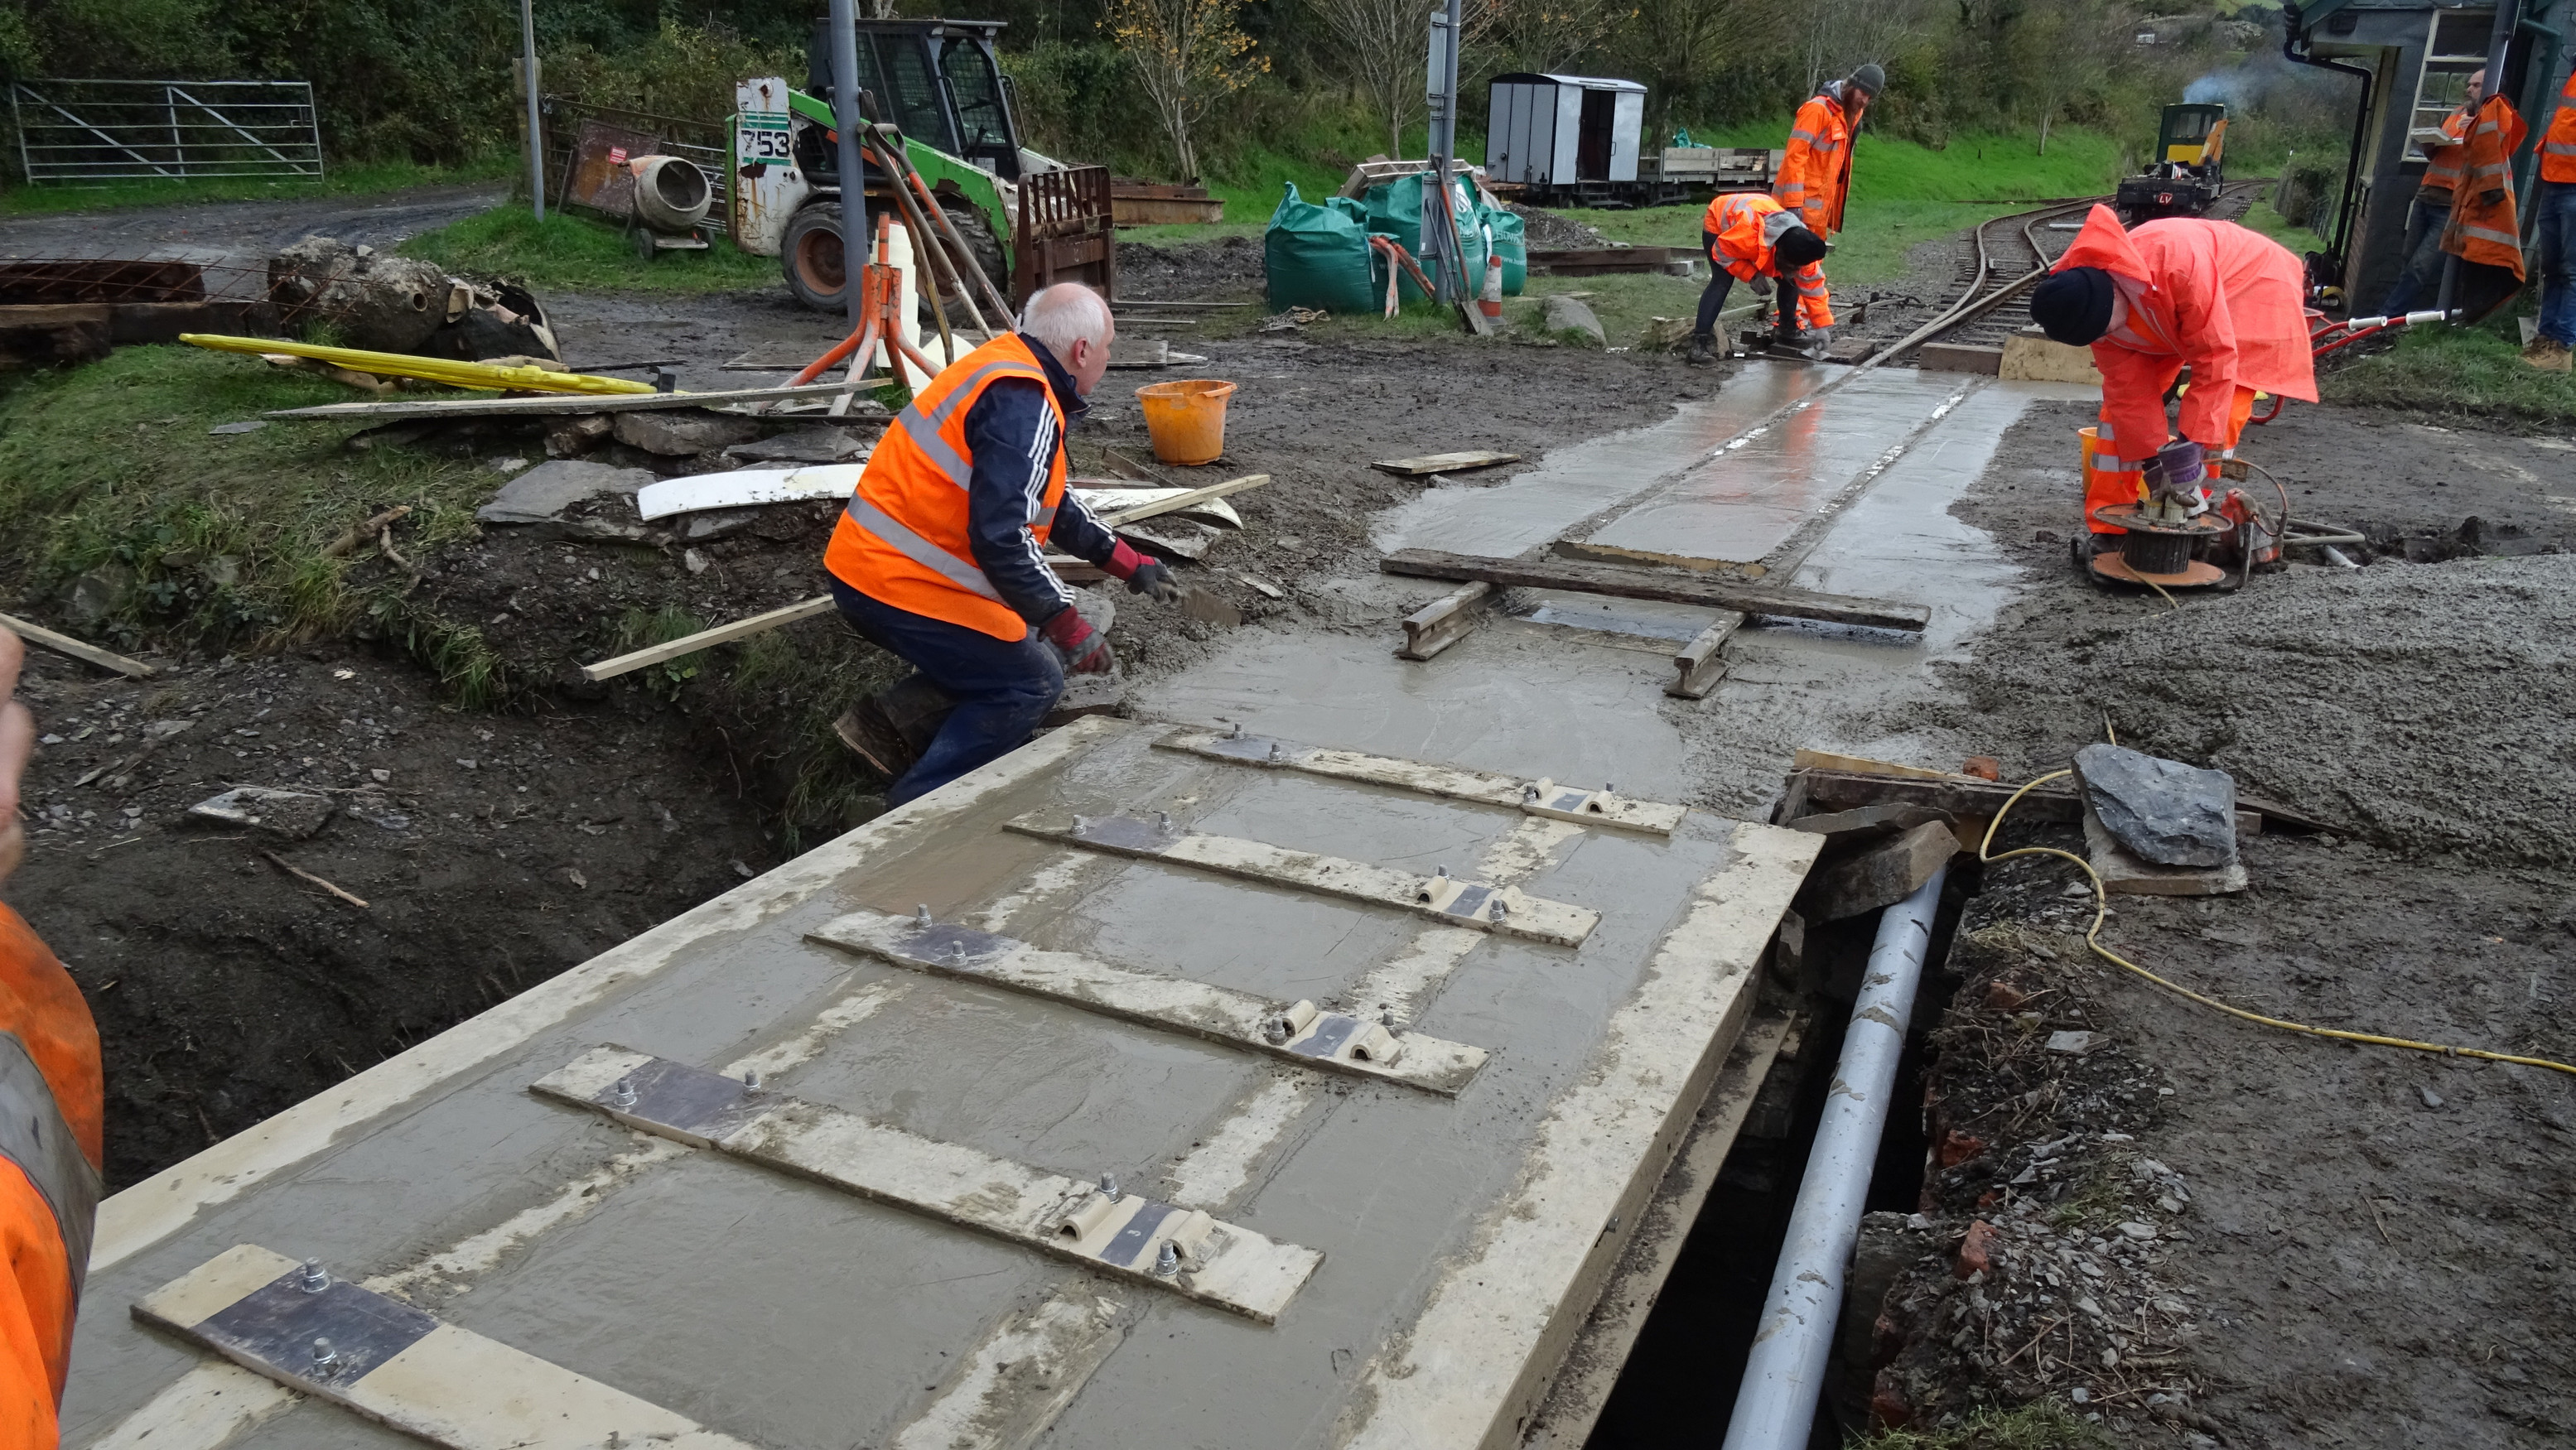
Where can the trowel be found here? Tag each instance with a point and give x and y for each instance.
(1209, 607)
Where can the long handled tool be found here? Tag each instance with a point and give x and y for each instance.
(943, 268)
(907, 178)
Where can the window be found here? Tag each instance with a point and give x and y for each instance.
(983, 123)
(910, 98)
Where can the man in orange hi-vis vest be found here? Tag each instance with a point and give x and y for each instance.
(2554, 237)
(51, 1106)
(2178, 291)
(940, 556)
(2484, 228)
(2431, 213)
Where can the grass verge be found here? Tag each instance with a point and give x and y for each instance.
(360, 180)
(2039, 1425)
(2469, 371)
(110, 481)
(582, 254)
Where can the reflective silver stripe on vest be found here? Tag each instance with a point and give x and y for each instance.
(2490, 234)
(34, 1136)
(879, 523)
(923, 428)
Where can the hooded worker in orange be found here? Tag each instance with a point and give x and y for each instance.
(51, 1107)
(2178, 292)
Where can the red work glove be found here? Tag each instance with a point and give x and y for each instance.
(1143, 575)
(1085, 650)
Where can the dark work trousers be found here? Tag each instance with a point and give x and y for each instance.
(1712, 299)
(1003, 688)
(2421, 281)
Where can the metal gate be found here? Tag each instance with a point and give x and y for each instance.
(99, 131)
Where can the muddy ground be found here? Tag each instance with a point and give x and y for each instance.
(2205, 1230)
(209, 1012)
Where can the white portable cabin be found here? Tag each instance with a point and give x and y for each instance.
(1560, 131)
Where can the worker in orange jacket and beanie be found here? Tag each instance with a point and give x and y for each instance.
(51, 1107)
(2179, 291)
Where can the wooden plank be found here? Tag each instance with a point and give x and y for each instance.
(65, 644)
(610, 669)
(1807, 759)
(1445, 621)
(1882, 875)
(1120, 1235)
(1600, 1350)
(1476, 1365)
(1698, 666)
(1293, 1032)
(1538, 797)
(401, 1367)
(1504, 910)
(551, 406)
(1187, 499)
(1716, 592)
(1442, 463)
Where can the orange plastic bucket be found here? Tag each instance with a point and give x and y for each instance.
(2105, 482)
(1186, 419)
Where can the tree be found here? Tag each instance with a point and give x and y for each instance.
(1385, 46)
(2065, 49)
(1187, 54)
(1553, 35)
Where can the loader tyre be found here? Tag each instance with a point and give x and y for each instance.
(977, 232)
(810, 255)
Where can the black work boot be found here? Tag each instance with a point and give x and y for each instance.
(875, 739)
(1702, 350)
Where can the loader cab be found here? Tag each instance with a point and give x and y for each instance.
(2192, 134)
(936, 79)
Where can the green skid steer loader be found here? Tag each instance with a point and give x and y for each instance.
(1030, 221)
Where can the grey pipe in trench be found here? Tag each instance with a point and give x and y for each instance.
(1775, 1406)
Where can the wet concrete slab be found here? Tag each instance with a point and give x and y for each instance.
(791, 1314)
(1572, 484)
(1744, 504)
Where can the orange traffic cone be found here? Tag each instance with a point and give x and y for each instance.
(1492, 301)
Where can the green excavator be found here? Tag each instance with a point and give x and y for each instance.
(1028, 220)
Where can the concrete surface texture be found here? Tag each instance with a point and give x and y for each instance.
(787, 1313)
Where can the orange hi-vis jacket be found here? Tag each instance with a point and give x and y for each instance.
(2482, 231)
(2443, 172)
(2227, 301)
(1815, 171)
(1747, 226)
(903, 540)
(52, 1103)
(2558, 147)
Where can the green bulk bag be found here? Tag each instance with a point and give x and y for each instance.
(1316, 256)
(1395, 211)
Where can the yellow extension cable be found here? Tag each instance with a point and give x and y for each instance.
(2093, 939)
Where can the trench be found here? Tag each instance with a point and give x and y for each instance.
(1680, 1381)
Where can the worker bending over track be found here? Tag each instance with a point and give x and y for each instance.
(52, 1104)
(2178, 291)
(1752, 237)
(940, 556)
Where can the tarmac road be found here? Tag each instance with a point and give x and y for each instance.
(247, 232)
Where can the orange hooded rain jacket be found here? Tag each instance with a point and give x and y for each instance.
(2226, 301)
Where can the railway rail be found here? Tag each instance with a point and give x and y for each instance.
(2006, 260)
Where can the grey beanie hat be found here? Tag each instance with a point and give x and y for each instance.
(1869, 77)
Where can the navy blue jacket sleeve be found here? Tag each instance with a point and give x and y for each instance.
(1012, 436)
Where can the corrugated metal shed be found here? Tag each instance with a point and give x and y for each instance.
(1552, 130)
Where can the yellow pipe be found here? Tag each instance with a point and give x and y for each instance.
(428, 369)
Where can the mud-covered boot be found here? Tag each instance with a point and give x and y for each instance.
(874, 738)
(1702, 350)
